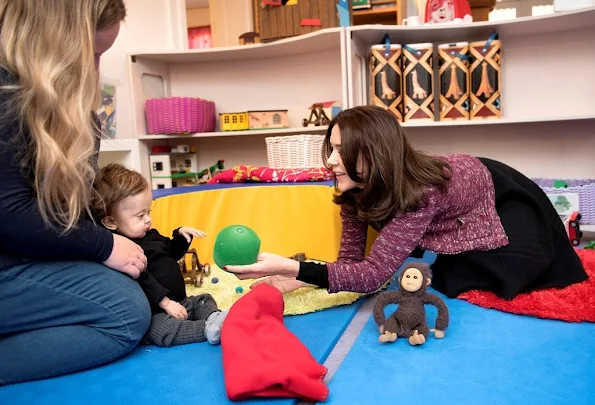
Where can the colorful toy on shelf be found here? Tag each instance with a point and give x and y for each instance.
(263, 119)
(317, 116)
(330, 108)
(453, 65)
(248, 38)
(236, 121)
(236, 245)
(174, 169)
(486, 77)
(279, 21)
(448, 11)
(207, 174)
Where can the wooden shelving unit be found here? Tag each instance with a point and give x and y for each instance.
(381, 12)
(548, 90)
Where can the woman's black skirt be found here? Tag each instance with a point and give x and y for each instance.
(538, 256)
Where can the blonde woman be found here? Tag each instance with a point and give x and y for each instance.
(68, 298)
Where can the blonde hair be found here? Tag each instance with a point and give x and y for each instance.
(48, 46)
(113, 184)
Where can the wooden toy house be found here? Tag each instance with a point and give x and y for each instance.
(271, 119)
(274, 22)
(265, 119)
(236, 121)
(173, 169)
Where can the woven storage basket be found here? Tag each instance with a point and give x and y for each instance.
(179, 115)
(585, 188)
(295, 151)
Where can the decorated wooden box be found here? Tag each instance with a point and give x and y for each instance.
(269, 119)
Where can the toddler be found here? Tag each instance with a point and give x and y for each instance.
(122, 203)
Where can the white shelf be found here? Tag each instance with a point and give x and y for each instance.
(118, 145)
(501, 121)
(313, 42)
(271, 132)
(446, 33)
(123, 151)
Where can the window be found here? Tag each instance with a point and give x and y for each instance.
(276, 119)
(234, 119)
(226, 119)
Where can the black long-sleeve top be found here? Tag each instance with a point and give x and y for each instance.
(162, 276)
(24, 235)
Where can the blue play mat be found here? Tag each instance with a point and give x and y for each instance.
(487, 357)
(189, 374)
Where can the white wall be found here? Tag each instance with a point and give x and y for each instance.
(151, 25)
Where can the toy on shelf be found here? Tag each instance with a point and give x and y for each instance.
(236, 121)
(268, 119)
(248, 38)
(387, 79)
(317, 116)
(205, 175)
(279, 21)
(418, 75)
(197, 271)
(246, 120)
(174, 169)
(485, 78)
(454, 81)
(409, 320)
(448, 11)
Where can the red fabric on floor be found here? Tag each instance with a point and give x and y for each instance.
(575, 303)
(261, 357)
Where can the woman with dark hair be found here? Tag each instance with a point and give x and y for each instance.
(491, 227)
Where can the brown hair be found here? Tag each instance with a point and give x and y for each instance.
(396, 175)
(113, 184)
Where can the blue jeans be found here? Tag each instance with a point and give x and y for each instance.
(61, 317)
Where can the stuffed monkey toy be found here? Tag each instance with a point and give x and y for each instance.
(409, 320)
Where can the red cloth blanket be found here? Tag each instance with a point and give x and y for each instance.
(248, 173)
(575, 303)
(261, 357)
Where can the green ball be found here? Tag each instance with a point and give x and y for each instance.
(236, 245)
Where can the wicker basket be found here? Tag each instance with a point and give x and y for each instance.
(295, 151)
(179, 115)
(585, 188)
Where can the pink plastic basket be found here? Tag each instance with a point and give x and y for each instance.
(179, 115)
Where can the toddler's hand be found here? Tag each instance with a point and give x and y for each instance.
(188, 232)
(174, 308)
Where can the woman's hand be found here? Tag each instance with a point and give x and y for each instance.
(267, 264)
(283, 284)
(127, 257)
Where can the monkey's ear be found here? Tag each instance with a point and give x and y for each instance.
(429, 281)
